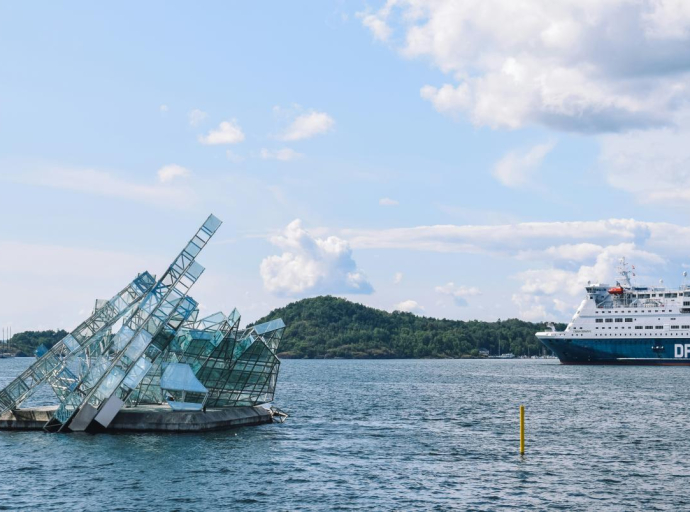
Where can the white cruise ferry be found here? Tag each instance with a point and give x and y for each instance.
(626, 324)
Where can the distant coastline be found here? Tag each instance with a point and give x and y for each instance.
(328, 327)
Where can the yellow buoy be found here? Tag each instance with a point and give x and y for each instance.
(522, 429)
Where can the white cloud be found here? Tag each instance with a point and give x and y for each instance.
(196, 117)
(561, 256)
(284, 154)
(546, 292)
(397, 278)
(311, 265)
(379, 28)
(652, 165)
(163, 108)
(386, 201)
(228, 132)
(233, 157)
(458, 293)
(516, 168)
(669, 19)
(571, 253)
(308, 125)
(576, 65)
(532, 308)
(510, 237)
(553, 280)
(409, 306)
(107, 184)
(168, 173)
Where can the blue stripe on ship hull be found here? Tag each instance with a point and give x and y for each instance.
(650, 351)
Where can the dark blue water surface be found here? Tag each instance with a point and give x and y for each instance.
(384, 435)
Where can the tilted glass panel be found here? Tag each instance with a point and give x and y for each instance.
(212, 223)
(137, 373)
(273, 325)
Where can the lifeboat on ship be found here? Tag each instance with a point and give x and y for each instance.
(616, 290)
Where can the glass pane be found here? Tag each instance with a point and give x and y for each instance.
(212, 223)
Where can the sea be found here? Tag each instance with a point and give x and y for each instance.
(389, 435)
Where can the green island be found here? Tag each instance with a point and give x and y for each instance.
(331, 327)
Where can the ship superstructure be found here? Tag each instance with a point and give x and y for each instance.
(626, 324)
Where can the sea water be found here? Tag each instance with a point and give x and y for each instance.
(383, 435)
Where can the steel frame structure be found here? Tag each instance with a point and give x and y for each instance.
(95, 372)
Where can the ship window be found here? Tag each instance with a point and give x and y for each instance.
(686, 303)
(674, 327)
(648, 327)
(685, 327)
(628, 319)
(672, 318)
(638, 327)
(598, 320)
(619, 319)
(608, 320)
(658, 326)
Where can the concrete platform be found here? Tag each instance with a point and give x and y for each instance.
(153, 418)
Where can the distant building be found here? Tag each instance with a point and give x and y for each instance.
(483, 352)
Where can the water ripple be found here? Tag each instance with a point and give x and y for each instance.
(388, 435)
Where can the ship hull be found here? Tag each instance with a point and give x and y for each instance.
(620, 351)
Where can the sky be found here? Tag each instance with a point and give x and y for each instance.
(465, 160)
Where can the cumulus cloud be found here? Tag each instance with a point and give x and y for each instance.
(308, 125)
(196, 117)
(573, 65)
(228, 132)
(458, 293)
(163, 108)
(517, 168)
(561, 256)
(409, 306)
(168, 173)
(549, 291)
(284, 154)
(311, 265)
(387, 201)
(397, 278)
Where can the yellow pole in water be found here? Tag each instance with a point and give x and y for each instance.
(522, 430)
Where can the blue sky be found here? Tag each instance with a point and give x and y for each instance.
(462, 160)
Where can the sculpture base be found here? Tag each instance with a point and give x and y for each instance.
(150, 418)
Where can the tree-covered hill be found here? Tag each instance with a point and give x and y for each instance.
(333, 327)
(25, 343)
